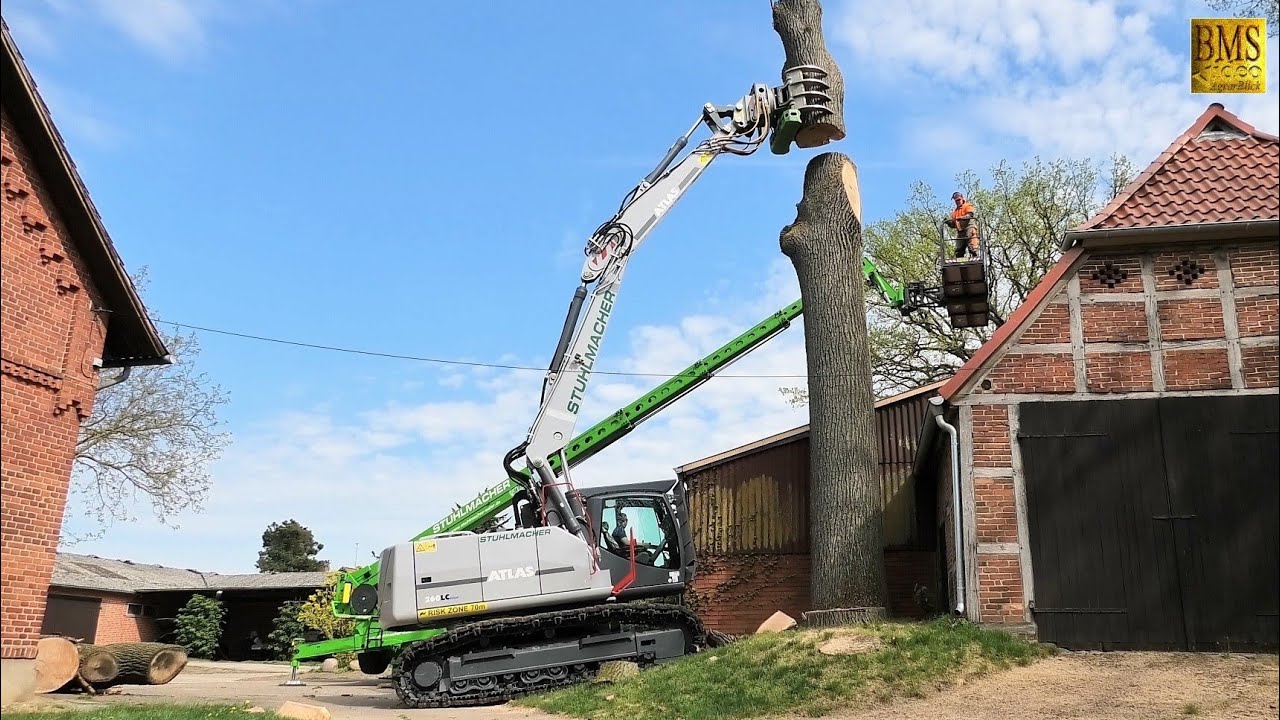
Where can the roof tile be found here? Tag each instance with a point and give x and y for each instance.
(1221, 169)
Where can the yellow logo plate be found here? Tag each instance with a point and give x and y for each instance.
(425, 546)
(1229, 55)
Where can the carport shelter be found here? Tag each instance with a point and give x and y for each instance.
(1117, 437)
(105, 601)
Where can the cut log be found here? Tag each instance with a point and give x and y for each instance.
(147, 663)
(824, 244)
(97, 663)
(56, 663)
(799, 25)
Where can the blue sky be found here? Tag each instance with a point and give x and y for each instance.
(416, 178)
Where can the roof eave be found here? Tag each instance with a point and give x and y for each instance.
(1228, 230)
(132, 339)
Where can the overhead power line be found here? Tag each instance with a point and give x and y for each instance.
(438, 361)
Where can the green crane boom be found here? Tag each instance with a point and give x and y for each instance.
(493, 500)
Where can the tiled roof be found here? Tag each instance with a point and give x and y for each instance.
(1221, 169)
(90, 572)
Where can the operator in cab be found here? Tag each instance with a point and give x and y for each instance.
(961, 219)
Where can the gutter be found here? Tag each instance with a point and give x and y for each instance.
(1199, 231)
(956, 505)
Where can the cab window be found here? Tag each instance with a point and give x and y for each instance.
(645, 519)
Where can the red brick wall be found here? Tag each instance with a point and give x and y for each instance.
(1197, 369)
(990, 436)
(1033, 372)
(735, 593)
(1255, 266)
(51, 338)
(1000, 598)
(1112, 322)
(115, 624)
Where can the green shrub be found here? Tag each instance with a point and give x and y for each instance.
(200, 626)
(287, 628)
(316, 614)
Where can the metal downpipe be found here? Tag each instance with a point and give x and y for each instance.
(956, 506)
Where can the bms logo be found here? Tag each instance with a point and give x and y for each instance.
(527, 571)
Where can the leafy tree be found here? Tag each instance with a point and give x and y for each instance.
(151, 437)
(286, 628)
(289, 547)
(199, 626)
(1250, 9)
(316, 613)
(1023, 214)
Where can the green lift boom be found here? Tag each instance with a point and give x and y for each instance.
(354, 597)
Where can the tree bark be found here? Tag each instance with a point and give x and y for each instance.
(146, 663)
(824, 244)
(799, 25)
(56, 663)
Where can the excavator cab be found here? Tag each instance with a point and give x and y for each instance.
(655, 516)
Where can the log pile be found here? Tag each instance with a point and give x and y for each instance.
(63, 665)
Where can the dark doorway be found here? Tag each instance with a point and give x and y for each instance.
(1154, 524)
(72, 617)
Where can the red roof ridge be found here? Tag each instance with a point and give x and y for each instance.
(1020, 316)
(1215, 111)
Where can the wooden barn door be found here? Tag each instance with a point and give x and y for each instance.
(1105, 572)
(1154, 523)
(1222, 462)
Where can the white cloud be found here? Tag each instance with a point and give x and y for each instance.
(1084, 78)
(172, 29)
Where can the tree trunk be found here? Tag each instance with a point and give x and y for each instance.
(799, 25)
(56, 663)
(97, 663)
(146, 663)
(824, 245)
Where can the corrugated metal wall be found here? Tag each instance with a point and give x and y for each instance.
(752, 504)
(759, 503)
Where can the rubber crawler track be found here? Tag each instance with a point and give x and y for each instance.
(519, 629)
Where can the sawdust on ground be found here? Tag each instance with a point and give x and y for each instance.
(850, 642)
(1111, 685)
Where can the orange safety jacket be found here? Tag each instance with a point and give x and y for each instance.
(969, 228)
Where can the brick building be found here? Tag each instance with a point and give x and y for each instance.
(1117, 437)
(68, 310)
(749, 512)
(105, 600)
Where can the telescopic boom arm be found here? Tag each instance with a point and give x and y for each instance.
(739, 129)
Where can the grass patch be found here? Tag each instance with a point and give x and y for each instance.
(147, 711)
(786, 672)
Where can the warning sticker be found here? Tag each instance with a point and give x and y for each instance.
(425, 546)
(448, 610)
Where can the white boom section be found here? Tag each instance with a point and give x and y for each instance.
(608, 252)
(555, 422)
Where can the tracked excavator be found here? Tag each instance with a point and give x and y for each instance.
(587, 577)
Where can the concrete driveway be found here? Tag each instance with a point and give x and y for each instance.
(348, 696)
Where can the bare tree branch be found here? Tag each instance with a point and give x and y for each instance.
(150, 438)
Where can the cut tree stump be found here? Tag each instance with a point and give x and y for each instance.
(146, 663)
(97, 663)
(57, 663)
(799, 25)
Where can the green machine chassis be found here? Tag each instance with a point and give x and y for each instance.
(369, 636)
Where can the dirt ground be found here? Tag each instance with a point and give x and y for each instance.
(1115, 686)
(1070, 686)
(348, 696)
